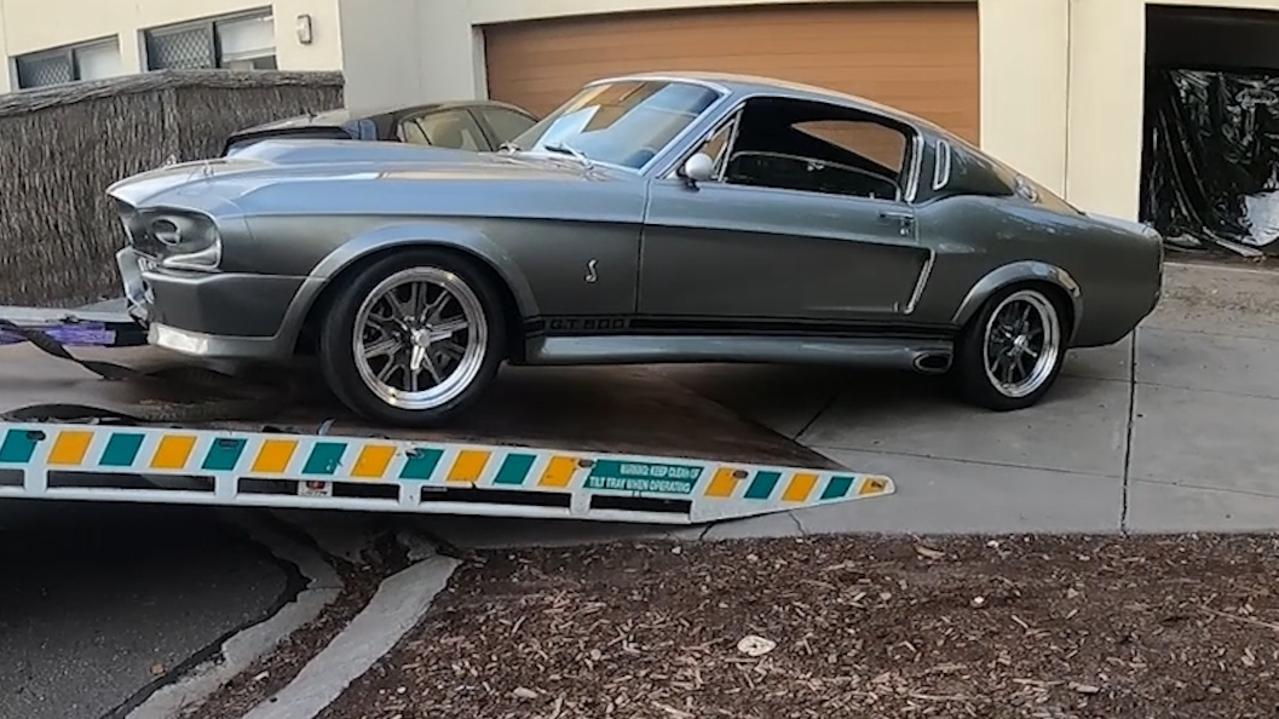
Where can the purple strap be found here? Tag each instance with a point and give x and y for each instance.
(76, 334)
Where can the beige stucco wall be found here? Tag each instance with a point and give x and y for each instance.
(1107, 77)
(409, 51)
(381, 51)
(1025, 61)
(32, 25)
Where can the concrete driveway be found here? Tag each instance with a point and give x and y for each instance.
(1174, 429)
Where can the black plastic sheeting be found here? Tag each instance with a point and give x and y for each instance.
(1211, 163)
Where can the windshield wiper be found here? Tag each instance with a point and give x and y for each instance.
(509, 147)
(566, 149)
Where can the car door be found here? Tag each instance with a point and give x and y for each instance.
(786, 236)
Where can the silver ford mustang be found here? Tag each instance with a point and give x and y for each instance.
(651, 218)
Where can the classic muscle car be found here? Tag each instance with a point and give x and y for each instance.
(651, 218)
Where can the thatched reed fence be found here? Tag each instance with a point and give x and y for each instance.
(61, 147)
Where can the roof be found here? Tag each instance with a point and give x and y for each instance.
(752, 84)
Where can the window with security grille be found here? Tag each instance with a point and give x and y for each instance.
(87, 61)
(182, 48)
(45, 69)
(240, 42)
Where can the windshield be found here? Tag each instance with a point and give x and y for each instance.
(619, 123)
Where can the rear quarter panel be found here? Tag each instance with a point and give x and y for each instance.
(1117, 271)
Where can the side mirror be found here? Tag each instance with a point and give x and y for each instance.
(698, 168)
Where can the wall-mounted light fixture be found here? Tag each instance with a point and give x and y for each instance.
(305, 33)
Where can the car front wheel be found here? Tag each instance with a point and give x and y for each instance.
(1012, 351)
(413, 338)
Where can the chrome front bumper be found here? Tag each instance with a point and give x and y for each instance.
(199, 344)
(219, 315)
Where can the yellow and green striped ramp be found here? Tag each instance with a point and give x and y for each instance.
(143, 464)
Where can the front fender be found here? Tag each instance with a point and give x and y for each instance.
(440, 234)
(1017, 272)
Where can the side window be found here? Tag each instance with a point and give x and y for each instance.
(879, 143)
(815, 147)
(452, 129)
(505, 124)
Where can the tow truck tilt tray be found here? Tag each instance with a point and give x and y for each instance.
(606, 444)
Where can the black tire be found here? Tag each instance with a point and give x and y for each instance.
(970, 370)
(337, 354)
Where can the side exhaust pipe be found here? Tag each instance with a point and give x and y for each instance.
(932, 362)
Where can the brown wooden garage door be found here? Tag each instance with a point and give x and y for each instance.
(920, 57)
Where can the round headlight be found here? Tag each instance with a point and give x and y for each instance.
(166, 231)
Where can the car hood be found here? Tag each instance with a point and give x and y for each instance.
(273, 162)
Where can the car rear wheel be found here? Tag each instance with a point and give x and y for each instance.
(1010, 354)
(414, 338)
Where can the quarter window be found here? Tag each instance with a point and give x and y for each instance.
(717, 145)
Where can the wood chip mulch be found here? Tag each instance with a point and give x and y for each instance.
(1049, 627)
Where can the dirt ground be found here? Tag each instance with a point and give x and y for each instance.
(840, 626)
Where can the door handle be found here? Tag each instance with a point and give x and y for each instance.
(904, 220)
(896, 216)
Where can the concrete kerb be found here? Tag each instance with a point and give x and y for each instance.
(398, 605)
(237, 653)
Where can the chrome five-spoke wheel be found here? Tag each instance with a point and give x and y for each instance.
(1023, 339)
(413, 337)
(420, 338)
(1010, 353)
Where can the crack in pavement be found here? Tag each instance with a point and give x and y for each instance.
(1144, 479)
(798, 524)
(834, 397)
(1132, 414)
(825, 448)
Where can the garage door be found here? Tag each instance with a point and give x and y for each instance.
(922, 58)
